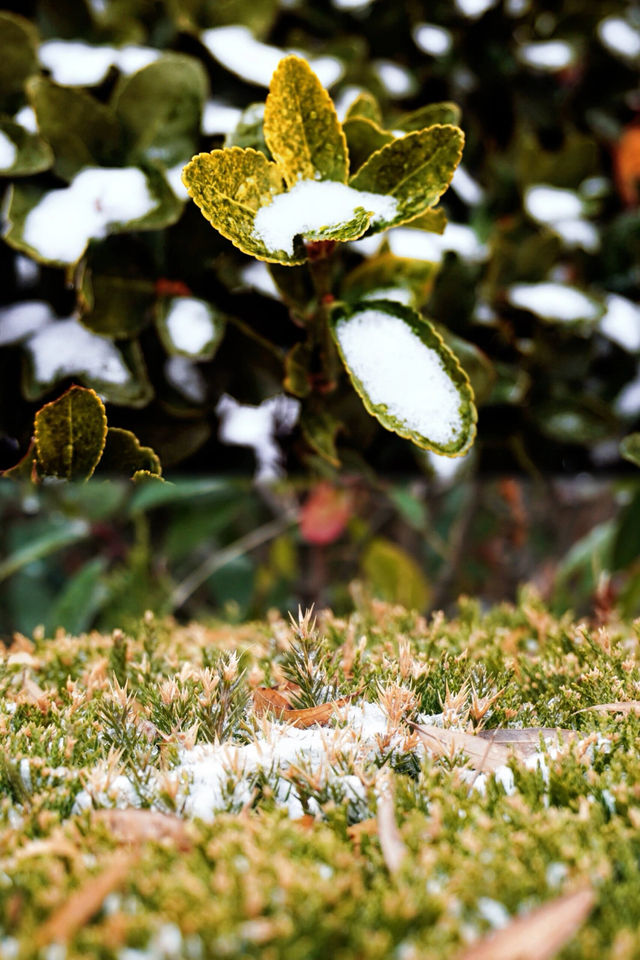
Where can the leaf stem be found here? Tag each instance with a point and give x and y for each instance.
(320, 339)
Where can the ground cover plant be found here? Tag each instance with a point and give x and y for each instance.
(380, 785)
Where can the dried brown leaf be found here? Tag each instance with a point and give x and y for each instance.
(393, 848)
(81, 905)
(311, 715)
(538, 935)
(269, 700)
(133, 826)
(525, 741)
(621, 706)
(487, 756)
(368, 828)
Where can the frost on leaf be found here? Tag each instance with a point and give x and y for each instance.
(408, 379)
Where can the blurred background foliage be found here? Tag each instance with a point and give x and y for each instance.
(536, 289)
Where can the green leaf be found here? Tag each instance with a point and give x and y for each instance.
(301, 126)
(364, 137)
(82, 131)
(230, 186)
(70, 434)
(320, 428)
(406, 376)
(415, 170)
(427, 116)
(18, 59)
(83, 595)
(55, 534)
(115, 297)
(297, 379)
(626, 545)
(123, 454)
(190, 327)
(365, 105)
(32, 155)
(433, 221)
(374, 278)
(394, 576)
(249, 130)
(159, 108)
(476, 364)
(630, 448)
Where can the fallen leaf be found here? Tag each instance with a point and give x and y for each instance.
(393, 848)
(268, 700)
(539, 934)
(132, 825)
(620, 706)
(525, 741)
(311, 715)
(81, 905)
(444, 743)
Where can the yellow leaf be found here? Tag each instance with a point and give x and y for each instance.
(230, 186)
(301, 127)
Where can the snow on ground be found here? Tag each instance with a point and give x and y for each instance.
(61, 225)
(8, 152)
(553, 301)
(65, 348)
(621, 322)
(399, 371)
(76, 63)
(238, 51)
(185, 377)
(191, 325)
(20, 320)
(431, 39)
(547, 55)
(422, 245)
(244, 425)
(312, 205)
(619, 37)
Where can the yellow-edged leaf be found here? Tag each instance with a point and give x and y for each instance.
(70, 434)
(301, 126)
(230, 186)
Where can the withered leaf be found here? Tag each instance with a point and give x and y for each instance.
(538, 935)
(269, 700)
(133, 825)
(484, 755)
(81, 905)
(525, 741)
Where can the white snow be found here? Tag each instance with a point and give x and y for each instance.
(397, 80)
(20, 320)
(547, 55)
(494, 912)
(397, 294)
(190, 324)
(244, 425)
(474, 8)
(174, 177)
(76, 63)
(618, 36)
(312, 205)
(8, 152)
(65, 348)
(399, 371)
(237, 50)
(219, 117)
(422, 245)
(26, 117)
(621, 322)
(186, 378)
(562, 211)
(468, 189)
(353, 5)
(436, 41)
(548, 204)
(27, 271)
(61, 225)
(257, 275)
(553, 301)
(628, 400)
(446, 469)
